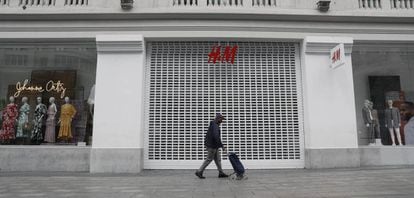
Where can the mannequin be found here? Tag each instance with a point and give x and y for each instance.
(9, 121)
(375, 124)
(91, 100)
(399, 105)
(50, 121)
(392, 122)
(368, 120)
(22, 123)
(39, 115)
(67, 113)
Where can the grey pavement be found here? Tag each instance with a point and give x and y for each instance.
(291, 183)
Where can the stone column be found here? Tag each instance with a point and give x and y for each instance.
(117, 145)
(330, 119)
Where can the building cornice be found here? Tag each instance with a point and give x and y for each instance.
(386, 47)
(324, 44)
(202, 14)
(119, 43)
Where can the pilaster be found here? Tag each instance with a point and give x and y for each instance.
(329, 104)
(118, 121)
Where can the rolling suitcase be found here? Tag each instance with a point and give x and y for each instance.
(237, 166)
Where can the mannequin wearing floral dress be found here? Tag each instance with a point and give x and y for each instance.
(23, 119)
(50, 121)
(67, 113)
(9, 121)
(39, 116)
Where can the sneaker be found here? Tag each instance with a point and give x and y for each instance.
(222, 175)
(199, 175)
(241, 177)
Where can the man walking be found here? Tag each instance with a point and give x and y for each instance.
(213, 143)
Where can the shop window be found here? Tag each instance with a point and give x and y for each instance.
(46, 93)
(383, 87)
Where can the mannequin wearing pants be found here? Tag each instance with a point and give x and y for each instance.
(375, 124)
(369, 121)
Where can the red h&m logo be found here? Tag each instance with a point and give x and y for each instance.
(227, 56)
(336, 55)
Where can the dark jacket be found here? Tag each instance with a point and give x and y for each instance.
(213, 138)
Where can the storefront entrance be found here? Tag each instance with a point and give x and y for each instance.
(259, 94)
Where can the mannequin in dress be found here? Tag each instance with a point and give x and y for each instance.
(22, 123)
(67, 112)
(50, 121)
(9, 122)
(368, 120)
(375, 124)
(39, 115)
(392, 122)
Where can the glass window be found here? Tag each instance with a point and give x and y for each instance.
(383, 87)
(46, 92)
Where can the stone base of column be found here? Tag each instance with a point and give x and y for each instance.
(116, 160)
(332, 158)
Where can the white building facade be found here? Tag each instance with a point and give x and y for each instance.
(157, 88)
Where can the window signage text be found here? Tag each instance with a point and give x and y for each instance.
(50, 86)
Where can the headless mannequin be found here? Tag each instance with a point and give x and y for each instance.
(392, 122)
(67, 114)
(40, 112)
(375, 124)
(23, 119)
(10, 113)
(50, 121)
(368, 120)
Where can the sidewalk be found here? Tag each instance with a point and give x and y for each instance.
(389, 182)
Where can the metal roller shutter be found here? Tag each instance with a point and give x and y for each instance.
(260, 96)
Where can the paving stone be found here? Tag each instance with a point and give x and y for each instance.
(369, 182)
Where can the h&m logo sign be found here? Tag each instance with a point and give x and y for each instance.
(337, 56)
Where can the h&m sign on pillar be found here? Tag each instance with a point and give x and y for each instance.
(337, 56)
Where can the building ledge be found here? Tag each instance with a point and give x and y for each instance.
(211, 14)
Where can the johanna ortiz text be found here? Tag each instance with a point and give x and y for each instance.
(50, 86)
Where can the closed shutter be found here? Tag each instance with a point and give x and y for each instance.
(260, 96)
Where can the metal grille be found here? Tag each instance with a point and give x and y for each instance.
(37, 2)
(402, 4)
(185, 2)
(264, 3)
(259, 95)
(370, 4)
(223, 3)
(76, 2)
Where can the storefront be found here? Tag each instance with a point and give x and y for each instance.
(154, 101)
(272, 94)
(142, 81)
